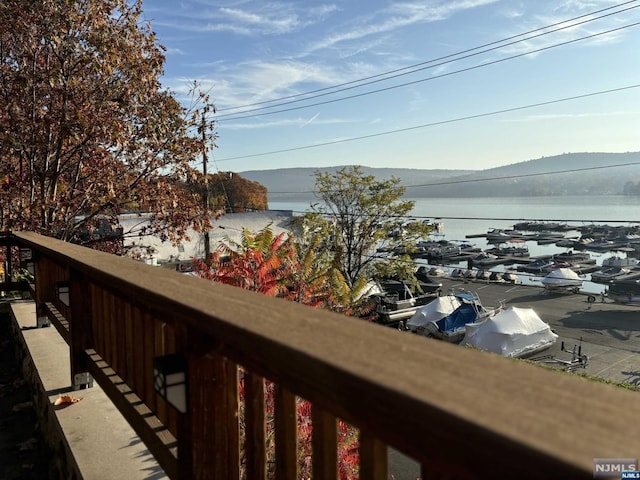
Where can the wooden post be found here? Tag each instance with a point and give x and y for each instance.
(80, 329)
(373, 457)
(208, 440)
(325, 445)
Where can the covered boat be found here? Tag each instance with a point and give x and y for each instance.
(562, 279)
(513, 332)
(445, 317)
(432, 312)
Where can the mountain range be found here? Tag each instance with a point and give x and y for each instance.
(566, 174)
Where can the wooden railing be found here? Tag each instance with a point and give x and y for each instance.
(460, 413)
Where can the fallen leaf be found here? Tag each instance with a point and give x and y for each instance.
(62, 399)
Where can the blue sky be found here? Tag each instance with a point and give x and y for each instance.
(245, 52)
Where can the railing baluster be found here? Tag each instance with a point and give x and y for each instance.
(325, 445)
(80, 324)
(255, 431)
(208, 446)
(286, 434)
(373, 457)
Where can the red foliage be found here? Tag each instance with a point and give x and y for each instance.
(269, 264)
(348, 455)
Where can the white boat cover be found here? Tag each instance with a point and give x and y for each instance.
(562, 277)
(433, 311)
(514, 332)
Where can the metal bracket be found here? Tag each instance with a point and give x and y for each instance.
(42, 322)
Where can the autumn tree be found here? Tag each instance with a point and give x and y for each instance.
(359, 217)
(230, 192)
(86, 129)
(278, 266)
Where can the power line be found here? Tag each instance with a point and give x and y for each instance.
(432, 124)
(390, 72)
(525, 175)
(240, 115)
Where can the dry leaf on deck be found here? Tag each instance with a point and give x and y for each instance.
(62, 399)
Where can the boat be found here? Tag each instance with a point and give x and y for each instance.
(616, 261)
(562, 279)
(512, 332)
(497, 235)
(484, 259)
(483, 274)
(540, 265)
(470, 273)
(436, 272)
(510, 277)
(513, 248)
(626, 292)
(437, 249)
(607, 274)
(571, 256)
(536, 226)
(545, 237)
(398, 300)
(457, 273)
(445, 317)
(601, 245)
(433, 311)
(496, 277)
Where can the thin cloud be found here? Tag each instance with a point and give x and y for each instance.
(270, 19)
(247, 18)
(260, 81)
(285, 122)
(559, 12)
(396, 16)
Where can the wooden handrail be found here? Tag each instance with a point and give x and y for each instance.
(455, 410)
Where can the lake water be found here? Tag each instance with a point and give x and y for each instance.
(469, 216)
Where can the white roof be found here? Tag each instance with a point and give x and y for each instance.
(229, 226)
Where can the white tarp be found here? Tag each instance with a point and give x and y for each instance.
(514, 332)
(562, 277)
(433, 311)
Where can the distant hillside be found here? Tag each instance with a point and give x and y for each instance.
(295, 184)
(586, 174)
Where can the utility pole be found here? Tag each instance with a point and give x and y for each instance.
(207, 244)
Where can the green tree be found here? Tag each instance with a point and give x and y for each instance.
(359, 217)
(86, 129)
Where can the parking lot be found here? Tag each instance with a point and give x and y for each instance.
(608, 333)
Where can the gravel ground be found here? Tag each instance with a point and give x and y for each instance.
(23, 453)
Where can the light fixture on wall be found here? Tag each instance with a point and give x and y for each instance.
(170, 380)
(63, 293)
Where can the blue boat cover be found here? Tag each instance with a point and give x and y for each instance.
(465, 313)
